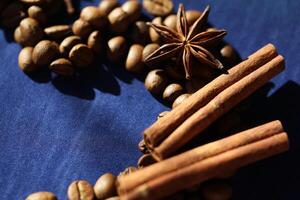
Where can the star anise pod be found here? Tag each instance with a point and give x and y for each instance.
(187, 42)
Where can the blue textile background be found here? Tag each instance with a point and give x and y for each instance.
(54, 131)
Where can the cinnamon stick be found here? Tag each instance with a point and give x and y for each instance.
(200, 164)
(219, 105)
(156, 133)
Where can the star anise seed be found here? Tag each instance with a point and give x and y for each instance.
(187, 42)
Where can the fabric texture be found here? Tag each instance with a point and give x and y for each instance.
(53, 131)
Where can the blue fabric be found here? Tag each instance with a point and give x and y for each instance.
(55, 131)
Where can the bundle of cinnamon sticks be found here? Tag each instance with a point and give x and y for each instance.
(205, 162)
(167, 135)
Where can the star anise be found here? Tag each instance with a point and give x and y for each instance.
(187, 42)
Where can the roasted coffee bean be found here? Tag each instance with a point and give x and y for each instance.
(105, 186)
(67, 44)
(62, 67)
(170, 22)
(38, 14)
(25, 60)
(82, 28)
(173, 91)
(128, 170)
(18, 36)
(34, 2)
(217, 190)
(113, 198)
(193, 85)
(158, 7)
(96, 42)
(58, 32)
(134, 62)
(229, 55)
(146, 160)
(180, 100)
(149, 49)
(30, 31)
(143, 148)
(12, 14)
(45, 52)
(133, 9)
(154, 36)
(192, 16)
(94, 16)
(81, 55)
(81, 190)
(175, 73)
(139, 33)
(156, 81)
(177, 196)
(118, 20)
(106, 6)
(117, 48)
(162, 114)
(41, 196)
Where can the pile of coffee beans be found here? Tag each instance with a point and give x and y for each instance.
(118, 34)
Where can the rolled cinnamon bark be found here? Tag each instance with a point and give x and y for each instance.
(219, 105)
(203, 163)
(161, 129)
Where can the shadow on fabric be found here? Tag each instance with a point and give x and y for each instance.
(277, 177)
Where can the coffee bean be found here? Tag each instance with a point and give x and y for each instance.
(117, 48)
(154, 36)
(38, 14)
(217, 190)
(67, 44)
(31, 32)
(193, 85)
(113, 198)
(177, 196)
(229, 55)
(118, 20)
(62, 67)
(175, 72)
(171, 22)
(93, 16)
(18, 37)
(173, 91)
(146, 160)
(81, 56)
(96, 42)
(58, 32)
(106, 6)
(139, 33)
(133, 9)
(45, 52)
(128, 170)
(142, 147)
(82, 28)
(105, 186)
(156, 81)
(81, 190)
(192, 16)
(34, 2)
(180, 100)
(41, 196)
(158, 7)
(162, 114)
(134, 61)
(149, 49)
(25, 60)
